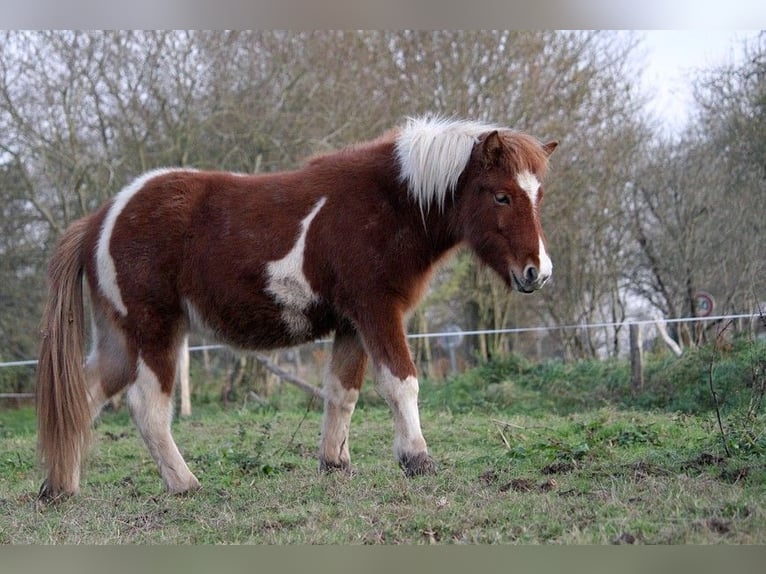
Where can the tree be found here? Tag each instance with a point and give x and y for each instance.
(732, 102)
(576, 87)
(697, 203)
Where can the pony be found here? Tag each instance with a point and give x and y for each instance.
(345, 244)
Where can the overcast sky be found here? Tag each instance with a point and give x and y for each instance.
(670, 58)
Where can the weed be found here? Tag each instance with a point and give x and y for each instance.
(742, 431)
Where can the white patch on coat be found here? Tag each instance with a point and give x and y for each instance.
(432, 153)
(531, 185)
(528, 182)
(107, 272)
(152, 413)
(546, 265)
(289, 285)
(402, 398)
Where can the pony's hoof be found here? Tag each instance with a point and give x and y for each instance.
(419, 464)
(190, 486)
(329, 467)
(47, 495)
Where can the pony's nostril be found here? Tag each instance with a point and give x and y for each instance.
(531, 273)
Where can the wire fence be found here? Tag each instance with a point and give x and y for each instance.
(451, 347)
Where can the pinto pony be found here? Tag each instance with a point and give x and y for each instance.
(345, 244)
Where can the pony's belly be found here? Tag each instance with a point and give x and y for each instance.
(262, 325)
(288, 286)
(293, 297)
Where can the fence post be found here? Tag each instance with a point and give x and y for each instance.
(183, 377)
(636, 358)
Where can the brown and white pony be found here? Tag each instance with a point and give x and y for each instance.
(345, 244)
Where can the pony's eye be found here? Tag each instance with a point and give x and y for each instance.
(502, 198)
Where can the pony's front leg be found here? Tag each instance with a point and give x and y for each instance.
(396, 380)
(401, 394)
(342, 381)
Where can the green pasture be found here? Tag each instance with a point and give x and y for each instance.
(528, 454)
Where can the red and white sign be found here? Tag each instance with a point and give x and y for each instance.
(704, 304)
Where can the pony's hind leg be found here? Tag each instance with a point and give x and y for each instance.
(342, 381)
(106, 371)
(151, 408)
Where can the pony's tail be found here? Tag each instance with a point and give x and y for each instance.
(63, 413)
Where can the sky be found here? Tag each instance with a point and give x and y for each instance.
(670, 58)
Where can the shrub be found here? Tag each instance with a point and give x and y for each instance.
(672, 384)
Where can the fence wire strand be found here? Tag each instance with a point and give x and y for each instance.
(509, 330)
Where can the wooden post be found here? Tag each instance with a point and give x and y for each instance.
(636, 358)
(183, 376)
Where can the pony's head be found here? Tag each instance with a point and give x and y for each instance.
(500, 207)
(495, 177)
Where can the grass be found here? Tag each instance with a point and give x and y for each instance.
(527, 455)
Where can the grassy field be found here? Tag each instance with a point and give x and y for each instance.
(531, 454)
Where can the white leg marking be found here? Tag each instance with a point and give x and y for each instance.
(107, 273)
(152, 412)
(529, 183)
(289, 285)
(402, 397)
(339, 404)
(96, 396)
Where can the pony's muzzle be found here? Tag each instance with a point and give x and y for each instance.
(531, 273)
(532, 279)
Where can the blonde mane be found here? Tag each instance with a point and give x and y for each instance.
(432, 153)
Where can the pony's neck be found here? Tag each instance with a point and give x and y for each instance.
(440, 228)
(436, 224)
(377, 172)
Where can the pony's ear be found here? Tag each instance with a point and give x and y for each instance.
(491, 149)
(549, 147)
